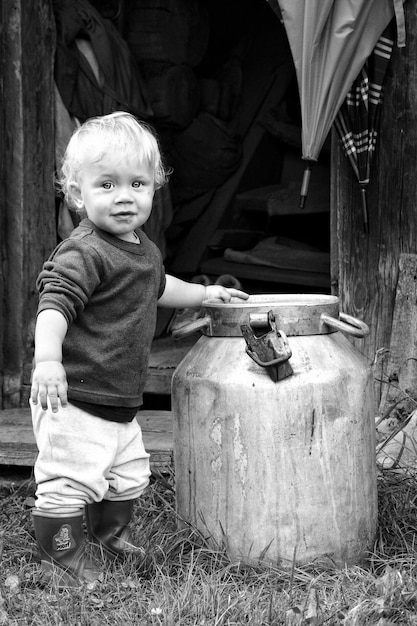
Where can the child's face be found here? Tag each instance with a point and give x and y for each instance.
(117, 193)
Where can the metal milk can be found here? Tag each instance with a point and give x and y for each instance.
(274, 438)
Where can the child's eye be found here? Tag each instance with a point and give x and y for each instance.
(107, 185)
(137, 184)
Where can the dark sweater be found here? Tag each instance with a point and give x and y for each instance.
(107, 289)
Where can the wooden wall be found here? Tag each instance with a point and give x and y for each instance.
(365, 267)
(27, 205)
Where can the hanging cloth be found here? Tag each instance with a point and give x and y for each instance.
(120, 86)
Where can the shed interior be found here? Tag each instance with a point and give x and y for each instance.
(220, 83)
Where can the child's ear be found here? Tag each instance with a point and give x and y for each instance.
(75, 193)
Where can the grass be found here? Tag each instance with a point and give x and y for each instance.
(183, 581)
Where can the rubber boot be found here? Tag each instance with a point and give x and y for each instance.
(108, 527)
(62, 545)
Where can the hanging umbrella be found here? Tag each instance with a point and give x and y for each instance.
(357, 121)
(330, 41)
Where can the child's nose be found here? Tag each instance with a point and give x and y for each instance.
(124, 194)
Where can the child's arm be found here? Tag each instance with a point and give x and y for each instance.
(49, 378)
(180, 294)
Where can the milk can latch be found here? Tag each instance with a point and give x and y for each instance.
(267, 345)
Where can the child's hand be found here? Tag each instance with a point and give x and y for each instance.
(49, 380)
(225, 294)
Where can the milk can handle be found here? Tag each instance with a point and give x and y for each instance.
(347, 324)
(192, 327)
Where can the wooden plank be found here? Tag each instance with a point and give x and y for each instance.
(17, 443)
(158, 381)
(27, 215)
(262, 273)
(277, 200)
(400, 371)
(166, 354)
(18, 447)
(368, 262)
(284, 254)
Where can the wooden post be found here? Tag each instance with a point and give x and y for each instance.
(400, 388)
(27, 209)
(367, 265)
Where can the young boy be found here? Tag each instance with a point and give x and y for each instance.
(99, 293)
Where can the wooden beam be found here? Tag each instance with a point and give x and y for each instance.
(18, 447)
(399, 390)
(368, 263)
(27, 215)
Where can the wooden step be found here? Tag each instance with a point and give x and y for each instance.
(18, 447)
(166, 354)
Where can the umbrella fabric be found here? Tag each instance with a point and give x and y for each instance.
(330, 41)
(358, 119)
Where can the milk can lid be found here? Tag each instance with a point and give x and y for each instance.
(295, 314)
(276, 300)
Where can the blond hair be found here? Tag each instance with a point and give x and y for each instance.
(98, 136)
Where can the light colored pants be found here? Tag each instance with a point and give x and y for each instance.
(84, 459)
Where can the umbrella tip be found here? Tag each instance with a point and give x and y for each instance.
(304, 186)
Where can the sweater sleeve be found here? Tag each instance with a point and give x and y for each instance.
(68, 278)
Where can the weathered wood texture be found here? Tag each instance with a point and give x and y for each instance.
(27, 208)
(166, 354)
(365, 267)
(18, 447)
(399, 393)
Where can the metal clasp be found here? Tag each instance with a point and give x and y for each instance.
(267, 345)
